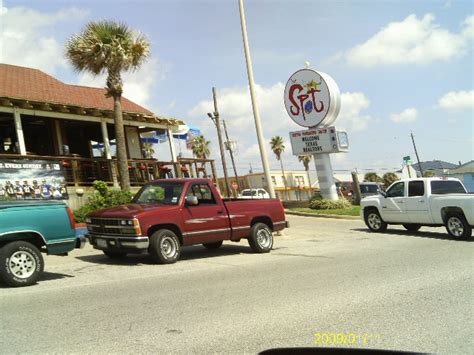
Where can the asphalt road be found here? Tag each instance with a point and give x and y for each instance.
(400, 290)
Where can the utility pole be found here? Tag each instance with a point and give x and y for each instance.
(215, 118)
(229, 148)
(416, 153)
(256, 113)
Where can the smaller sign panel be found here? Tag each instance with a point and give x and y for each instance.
(319, 140)
(32, 179)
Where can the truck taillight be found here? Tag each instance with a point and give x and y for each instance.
(72, 221)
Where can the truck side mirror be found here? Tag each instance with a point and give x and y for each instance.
(383, 193)
(192, 201)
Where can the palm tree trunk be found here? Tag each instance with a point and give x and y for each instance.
(284, 179)
(121, 148)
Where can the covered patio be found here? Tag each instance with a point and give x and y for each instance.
(42, 118)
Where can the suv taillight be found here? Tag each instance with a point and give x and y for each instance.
(72, 221)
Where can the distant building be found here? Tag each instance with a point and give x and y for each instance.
(438, 167)
(465, 173)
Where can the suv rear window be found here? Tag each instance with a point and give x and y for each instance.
(443, 187)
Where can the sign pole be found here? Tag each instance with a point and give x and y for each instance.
(327, 184)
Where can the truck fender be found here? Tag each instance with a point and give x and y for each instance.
(32, 236)
(170, 226)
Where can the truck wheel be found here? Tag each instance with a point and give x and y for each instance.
(115, 254)
(164, 247)
(261, 238)
(215, 245)
(374, 221)
(412, 227)
(21, 264)
(457, 226)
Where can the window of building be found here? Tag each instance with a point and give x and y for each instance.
(299, 180)
(274, 182)
(8, 137)
(38, 134)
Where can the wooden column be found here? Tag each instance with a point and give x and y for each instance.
(19, 131)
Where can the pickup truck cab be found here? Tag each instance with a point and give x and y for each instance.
(168, 214)
(422, 202)
(28, 228)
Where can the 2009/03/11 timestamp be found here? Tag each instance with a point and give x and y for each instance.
(342, 338)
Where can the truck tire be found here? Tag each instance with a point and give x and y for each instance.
(215, 245)
(261, 238)
(164, 247)
(113, 254)
(21, 264)
(412, 227)
(373, 221)
(457, 226)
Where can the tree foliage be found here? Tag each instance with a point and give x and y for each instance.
(201, 147)
(372, 177)
(389, 178)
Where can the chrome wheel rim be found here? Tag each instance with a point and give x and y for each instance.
(168, 247)
(22, 264)
(455, 226)
(374, 220)
(264, 238)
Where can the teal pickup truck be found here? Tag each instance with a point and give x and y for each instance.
(28, 228)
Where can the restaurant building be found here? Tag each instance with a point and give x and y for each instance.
(42, 118)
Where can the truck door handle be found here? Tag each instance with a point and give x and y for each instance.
(220, 211)
(421, 201)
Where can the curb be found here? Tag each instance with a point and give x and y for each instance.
(318, 215)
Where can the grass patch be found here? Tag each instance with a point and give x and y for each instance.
(351, 211)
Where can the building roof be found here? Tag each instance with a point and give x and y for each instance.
(32, 84)
(467, 167)
(434, 165)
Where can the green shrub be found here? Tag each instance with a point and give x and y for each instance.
(102, 197)
(317, 203)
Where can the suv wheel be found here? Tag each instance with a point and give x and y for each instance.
(165, 247)
(457, 226)
(374, 221)
(21, 264)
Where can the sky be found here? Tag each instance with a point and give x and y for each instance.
(401, 67)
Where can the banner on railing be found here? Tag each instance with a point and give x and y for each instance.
(32, 179)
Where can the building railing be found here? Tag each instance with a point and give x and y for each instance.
(79, 171)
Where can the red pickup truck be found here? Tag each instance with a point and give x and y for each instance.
(168, 214)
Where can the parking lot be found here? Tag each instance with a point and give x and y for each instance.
(399, 290)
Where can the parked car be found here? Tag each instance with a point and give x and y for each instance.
(345, 188)
(169, 214)
(28, 228)
(422, 202)
(254, 193)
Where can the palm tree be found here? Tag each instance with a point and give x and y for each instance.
(201, 150)
(389, 179)
(112, 48)
(372, 177)
(305, 159)
(278, 147)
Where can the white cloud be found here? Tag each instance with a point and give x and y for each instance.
(27, 37)
(412, 41)
(137, 86)
(235, 107)
(407, 115)
(457, 100)
(351, 116)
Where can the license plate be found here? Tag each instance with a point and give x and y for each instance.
(102, 243)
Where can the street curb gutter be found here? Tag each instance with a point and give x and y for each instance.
(318, 215)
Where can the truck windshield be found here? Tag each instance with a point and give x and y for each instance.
(446, 187)
(167, 193)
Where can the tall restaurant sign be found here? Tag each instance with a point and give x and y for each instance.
(312, 100)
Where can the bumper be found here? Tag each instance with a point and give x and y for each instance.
(107, 242)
